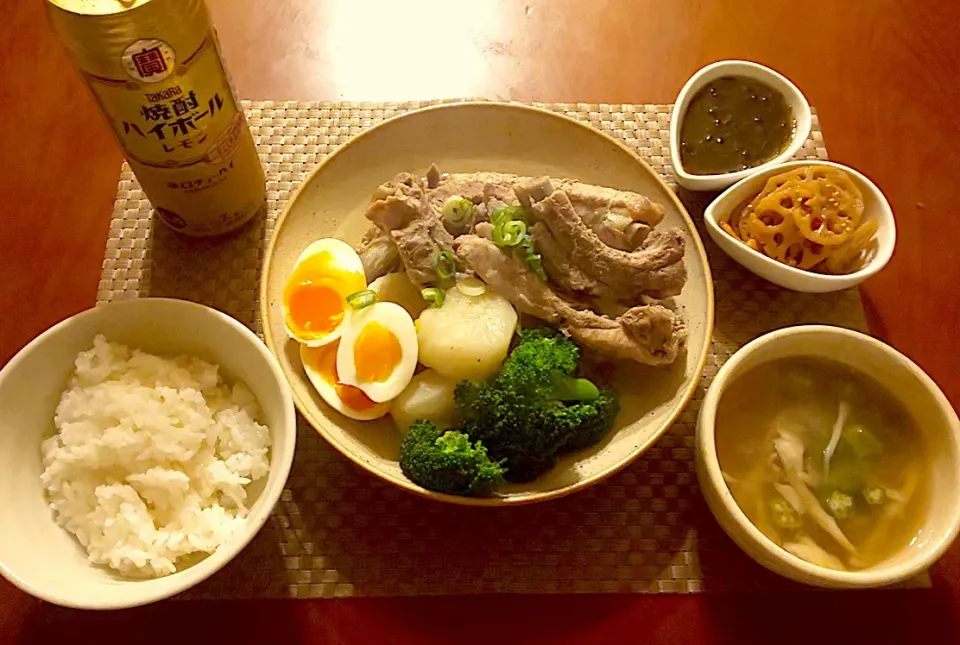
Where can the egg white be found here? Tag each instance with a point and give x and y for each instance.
(347, 261)
(395, 319)
(328, 393)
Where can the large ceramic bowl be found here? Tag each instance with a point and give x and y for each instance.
(471, 137)
(45, 560)
(875, 208)
(901, 377)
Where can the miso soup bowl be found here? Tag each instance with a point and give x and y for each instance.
(901, 377)
(795, 99)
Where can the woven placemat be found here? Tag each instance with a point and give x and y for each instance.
(338, 531)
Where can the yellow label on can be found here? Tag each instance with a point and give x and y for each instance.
(171, 113)
(154, 67)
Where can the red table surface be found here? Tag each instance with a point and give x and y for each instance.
(882, 73)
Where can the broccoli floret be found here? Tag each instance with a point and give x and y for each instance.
(840, 505)
(447, 462)
(523, 436)
(542, 358)
(543, 365)
(535, 408)
(594, 420)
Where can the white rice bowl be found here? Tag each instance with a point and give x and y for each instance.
(152, 458)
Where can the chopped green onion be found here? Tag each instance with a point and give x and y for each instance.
(471, 286)
(457, 209)
(509, 233)
(536, 265)
(434, 296)
(507, 213)
(445, 264)
(362, 299)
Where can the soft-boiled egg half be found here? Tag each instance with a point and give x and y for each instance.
(315, 308)
(378, 351)
(320, 364)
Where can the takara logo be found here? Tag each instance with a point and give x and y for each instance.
(149, 61)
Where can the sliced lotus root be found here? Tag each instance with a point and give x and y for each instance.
(766, 218)
(825, 211)
(802, 216)
(774, 230)
(806, 254)
(793, 175)
(844, 258)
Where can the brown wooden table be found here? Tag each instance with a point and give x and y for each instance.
(882, 73)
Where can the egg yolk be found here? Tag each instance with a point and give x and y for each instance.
(314, 305)
(353, 397)
(314, 308)
(324, 361)
(376, 353)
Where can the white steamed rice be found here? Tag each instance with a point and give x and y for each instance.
(151, 458)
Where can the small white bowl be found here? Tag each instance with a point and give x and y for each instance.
(799, 105)
(875, 207)
(929, 408)
(45, 560)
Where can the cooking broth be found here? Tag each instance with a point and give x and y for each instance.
(823, 461)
